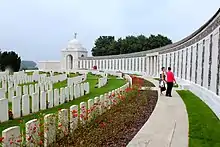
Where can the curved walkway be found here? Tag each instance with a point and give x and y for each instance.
(167, 126)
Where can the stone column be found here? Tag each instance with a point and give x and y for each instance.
(109, 64)
(113, 67)
(133, 64)
(150, 65)
(140, 64)
(136, 64)
(184, 64)
(214, 65)
(143, 64)
(119, 68)
(155, 66)
(116, 64)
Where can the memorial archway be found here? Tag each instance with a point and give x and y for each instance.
(69, 61)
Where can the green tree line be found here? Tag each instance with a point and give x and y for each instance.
(108, 45)
(9, 60)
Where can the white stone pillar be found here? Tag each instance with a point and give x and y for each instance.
(143, 64)
(119, 60)
(184, 63)
(206, 64)
(116, 62)
(214, 67)
(140, 64)
(133, 64)
(109, 64)
(193, 63)
(136, 64)
(123, 64)
(113, 64)
(199, 72)
(155, 66)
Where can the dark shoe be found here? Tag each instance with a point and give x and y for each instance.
(170, 96)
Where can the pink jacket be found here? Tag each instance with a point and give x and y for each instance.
(170, 77)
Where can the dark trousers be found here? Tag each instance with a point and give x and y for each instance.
(169, 88)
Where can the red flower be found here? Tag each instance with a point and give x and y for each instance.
(1, 139)
(59, 125)
(74, 111)
(34, 128)
(113, 95)
(40, 142)
(102, 125)
(19, 140)
(29, 138)
(11, 142)
(75, 115)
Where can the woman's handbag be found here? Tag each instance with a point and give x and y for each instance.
(162, 84)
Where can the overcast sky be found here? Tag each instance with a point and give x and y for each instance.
(39, 29)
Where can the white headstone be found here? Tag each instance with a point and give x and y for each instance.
(62, 95)
(16, 106)
(2, 93)
(25, 89)
(75, 91)
(31, 89)
(32, 132)
(71, 92)
(35, 102)
(73, 117)
(4, 109)
(56, 97)
(90, 109)
(82, 89)
(50, 99)
(18, 91)
(36, 87)
(83, 112)
(12, 137)
(49, 129)
(67, 94)
(97, 106)
(10, 93)
(43, 100)
(25, 105)
(63, 122)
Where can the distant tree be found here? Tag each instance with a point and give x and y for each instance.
(10, 60)
(107, 45)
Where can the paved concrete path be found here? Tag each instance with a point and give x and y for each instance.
(167, 126)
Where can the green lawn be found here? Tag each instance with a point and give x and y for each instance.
(204, 126)
(113, 83)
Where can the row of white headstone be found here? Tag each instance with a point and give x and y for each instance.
(41, 100)
(76, 80)
(13, 82)
(102, 81)
(53, 131)
(113, 73)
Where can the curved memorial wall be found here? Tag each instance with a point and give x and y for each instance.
(195, 61)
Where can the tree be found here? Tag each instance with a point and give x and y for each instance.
(107, 45)
(10, 60)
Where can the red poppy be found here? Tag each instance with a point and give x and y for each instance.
(40, 142)
(1, 139)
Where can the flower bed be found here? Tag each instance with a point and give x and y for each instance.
(118, 125)
(109, 120)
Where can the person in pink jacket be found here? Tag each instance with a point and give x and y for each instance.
(170, 81)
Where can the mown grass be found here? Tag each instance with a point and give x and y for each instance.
(112, 84)
(204, 126)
